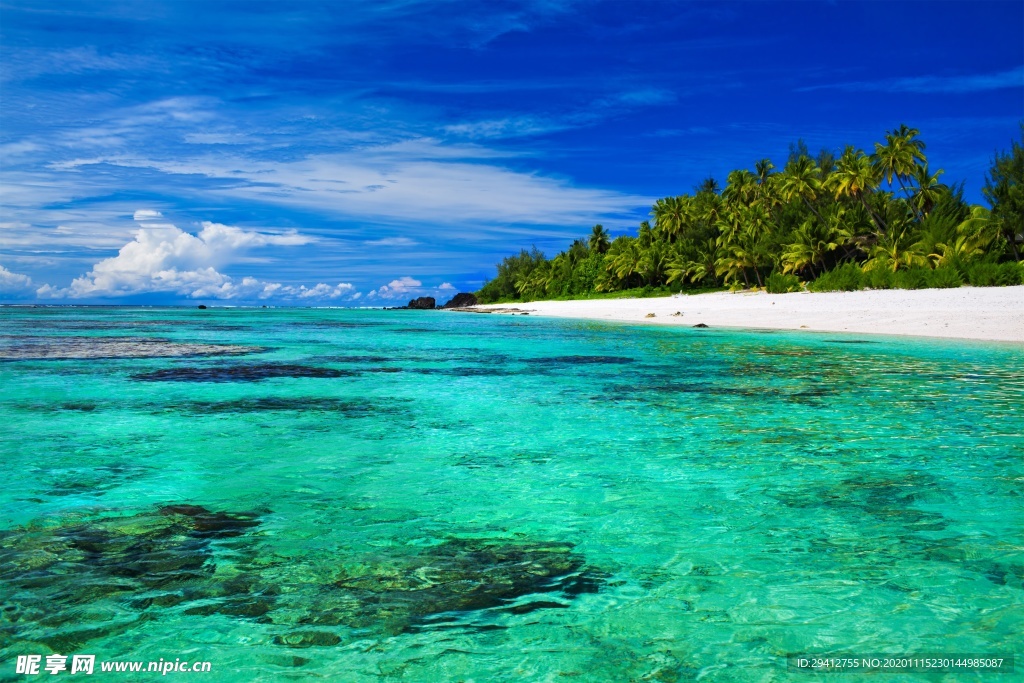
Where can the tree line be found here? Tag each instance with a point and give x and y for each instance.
(829, 221)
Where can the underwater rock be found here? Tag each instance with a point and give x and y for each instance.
(307, 639)
(580, 360)
(76, 348)
(401, 592)
(152, 559)
(461, 300)
(249, 372)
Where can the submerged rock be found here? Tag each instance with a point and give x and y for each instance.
(402, 592)
(249, 372)
(75, 348)
(74, 578)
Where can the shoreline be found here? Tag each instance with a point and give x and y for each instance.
(978, 313)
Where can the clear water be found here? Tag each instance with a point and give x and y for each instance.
(711, 500)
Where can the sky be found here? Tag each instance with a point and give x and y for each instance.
(362, 153)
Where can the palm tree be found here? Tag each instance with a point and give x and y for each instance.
(741, 186)
(800, 180)
(895, 249)
(598, 241)
(899, 155)
(670, 216)
(856, 177)
(812, 242)
(929, 190)
(708, 185)
(764, 169)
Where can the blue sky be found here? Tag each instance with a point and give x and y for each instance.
(361, 153)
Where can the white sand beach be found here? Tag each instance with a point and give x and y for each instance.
(983, 313)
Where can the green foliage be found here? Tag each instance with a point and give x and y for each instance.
(944, 278)
(846, 278)
(881, 220)
(780, 283)
(995, 274)
(1004, 190)
(912, 278)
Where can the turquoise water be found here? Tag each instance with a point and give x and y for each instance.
(428, 496)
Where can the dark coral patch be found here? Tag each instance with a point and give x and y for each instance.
(580, 360)
(250, 372)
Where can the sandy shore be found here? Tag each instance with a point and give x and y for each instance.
(984, 313)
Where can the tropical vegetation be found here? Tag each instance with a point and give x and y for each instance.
(833, 221)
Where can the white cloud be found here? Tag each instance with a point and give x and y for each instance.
(958, 84)
(445, 286)
(392, 242)
(14, 284)
(511, 127)
(322, 291)
(397, 289)
(164, 258)
(419, 181)
(147, 215)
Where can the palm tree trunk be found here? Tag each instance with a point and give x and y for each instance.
(874, 216)
(815, 211)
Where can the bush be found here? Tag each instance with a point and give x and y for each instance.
(995, 274)
(913, 278)
(983, 274)
(880, 278)
(846, 278)
(944, 278)
(779, 283)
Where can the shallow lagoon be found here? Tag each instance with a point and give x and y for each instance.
(405, 495)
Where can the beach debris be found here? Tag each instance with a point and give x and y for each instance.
(650, 315)
(677, 314)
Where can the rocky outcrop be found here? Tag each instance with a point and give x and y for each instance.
(462, 300)
(423, 303)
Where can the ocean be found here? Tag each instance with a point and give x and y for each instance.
(368, 495)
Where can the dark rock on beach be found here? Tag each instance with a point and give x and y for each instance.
(700, 326)
(425, 303)
(462, 300)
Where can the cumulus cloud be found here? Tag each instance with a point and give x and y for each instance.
(164, 258)
(323, 291)
(147, 215)
(397, 289)
(445, 286)
(14, 284)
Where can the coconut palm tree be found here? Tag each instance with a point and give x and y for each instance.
(855, 177)
(898, 157)
(929, 190)
(598, 241)
(801, 180)
(741, 186)
(812, 241)
(671, 217)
